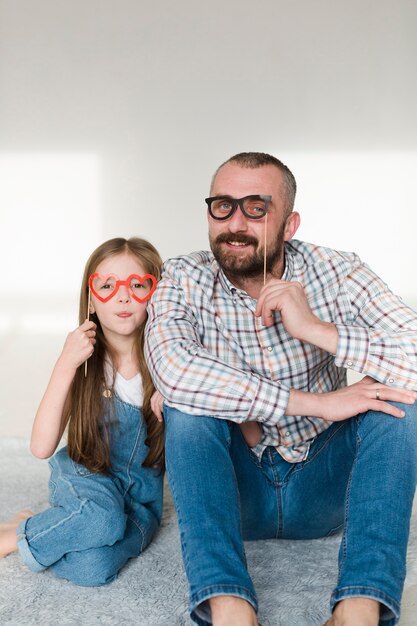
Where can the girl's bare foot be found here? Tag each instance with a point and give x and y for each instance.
(8, 539)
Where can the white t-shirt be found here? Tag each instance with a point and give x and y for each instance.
(130, 391)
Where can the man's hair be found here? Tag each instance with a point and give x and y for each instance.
(253, 160)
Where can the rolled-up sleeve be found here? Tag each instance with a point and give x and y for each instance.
(379, 338)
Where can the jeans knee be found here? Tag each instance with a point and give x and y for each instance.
(88, 568)
(378, 420)
(406, 426)
(113, 527)
(108, 523)
(398, 434)
(185, 427)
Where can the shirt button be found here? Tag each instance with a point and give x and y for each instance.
(269, 348)
(287, 434)
(391, 380)
(350, 363)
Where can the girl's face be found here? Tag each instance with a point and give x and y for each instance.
(121, 315)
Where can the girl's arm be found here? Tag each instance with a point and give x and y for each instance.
(252, 432)
(49, 423)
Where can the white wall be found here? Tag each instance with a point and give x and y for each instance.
(114, 114)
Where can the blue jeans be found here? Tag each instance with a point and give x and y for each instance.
(96, 522)
(360, 475)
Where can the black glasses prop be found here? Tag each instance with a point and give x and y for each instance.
(253, 207)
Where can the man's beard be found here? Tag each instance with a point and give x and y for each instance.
(248, 265)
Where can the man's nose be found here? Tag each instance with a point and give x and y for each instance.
(238, 222)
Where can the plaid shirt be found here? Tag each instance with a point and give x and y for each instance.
(208, 354)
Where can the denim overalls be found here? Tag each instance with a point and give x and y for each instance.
(97, 522)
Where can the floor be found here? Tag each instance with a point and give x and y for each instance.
(25, 367)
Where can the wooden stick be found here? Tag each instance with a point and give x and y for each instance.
(88, 317)
(265, 231)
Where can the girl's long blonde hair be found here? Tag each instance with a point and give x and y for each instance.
(88, 431)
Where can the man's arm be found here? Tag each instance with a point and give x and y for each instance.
(192, 379)
(373, 333)
(336, 406)
(380, 337)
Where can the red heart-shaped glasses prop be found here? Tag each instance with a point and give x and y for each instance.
(112, 283)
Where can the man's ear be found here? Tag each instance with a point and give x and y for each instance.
(291, 225)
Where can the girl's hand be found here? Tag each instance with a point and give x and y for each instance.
(252, 433)
(157, 402)
(79, 345)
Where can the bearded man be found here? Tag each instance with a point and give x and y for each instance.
(249, 345)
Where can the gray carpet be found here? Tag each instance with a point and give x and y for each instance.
(293, 579)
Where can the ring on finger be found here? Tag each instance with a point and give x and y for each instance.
(377, 394)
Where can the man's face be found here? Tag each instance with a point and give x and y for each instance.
(238, 242)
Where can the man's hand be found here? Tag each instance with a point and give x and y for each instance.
(335, 406)
(157, 402)
(289, 299)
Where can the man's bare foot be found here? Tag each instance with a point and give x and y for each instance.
(355, 612)
(232, 611)
(8, 539)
